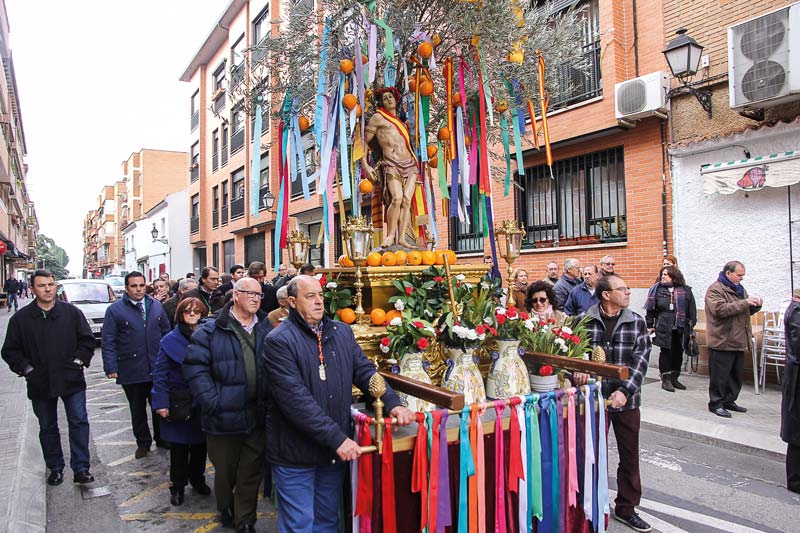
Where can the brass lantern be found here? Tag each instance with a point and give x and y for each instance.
(509, 243)
(297, 246)
(358, 236)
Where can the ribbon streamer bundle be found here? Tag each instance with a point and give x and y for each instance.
(547, 470)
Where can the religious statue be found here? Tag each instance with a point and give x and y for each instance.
(387, 136)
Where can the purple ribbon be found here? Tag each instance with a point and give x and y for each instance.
(444, 515)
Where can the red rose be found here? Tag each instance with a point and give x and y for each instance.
(523, 315)
(542, 323)
(494, 331)
(438, 279)
(479, 329)
(576, 339)
(385, 341)
(511, 312)
(423, 343)
(323, 281)
(418, 324)
(546, 370)
(409, 290)
(501, 319)
(551, 320)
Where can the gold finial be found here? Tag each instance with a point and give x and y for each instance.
(377, 386)
(598, 355)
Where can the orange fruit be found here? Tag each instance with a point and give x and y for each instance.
(439, 255)
(501, 106)
(414, 258)
(428, 257)
(444, 134)
(365, 186)
(451, 257)
(456, 99)
(424, 50)
(364, 59)
(467, 141)
(346, 66)
(374, 259)
(426, 88)
(347, 315)
(394, 313)
(378, 316)
(358, 110)
(400, 257)
(303, 123)
(433, 163)
(388, 259)
(345, 261)
(349, 101)
(432, 149)
(412, 85)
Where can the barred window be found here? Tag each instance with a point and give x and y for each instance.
(583, 203)
(467, 236)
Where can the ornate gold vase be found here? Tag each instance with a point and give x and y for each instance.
(508, 375)
(463, 376)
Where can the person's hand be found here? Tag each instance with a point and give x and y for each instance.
(112, 375)
(618, 399)
(403, 415)
(580, 378)
(349, 450)
(164, 413)
(651, 330)
(755, 301)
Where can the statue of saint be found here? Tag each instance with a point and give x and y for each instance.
(387, 136)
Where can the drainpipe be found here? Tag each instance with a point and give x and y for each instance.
(664, 248)
(635, 42)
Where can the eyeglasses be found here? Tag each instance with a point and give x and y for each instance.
(252, 294)
(539, 300)
(192, 312)
(610, 264)
(623, 289)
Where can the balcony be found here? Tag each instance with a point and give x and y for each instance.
(237, 141)
(579, 80)
(237, 74)
(194, 224)
(224, 214)
(219, 100)
(195, 120)
(194, 172)
(214, 161)
(237, 208)
(215, 218)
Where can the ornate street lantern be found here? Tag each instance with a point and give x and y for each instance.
(297, 246)
(358, 236)
(509, 243)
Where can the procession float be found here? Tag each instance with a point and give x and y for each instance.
(418, 109)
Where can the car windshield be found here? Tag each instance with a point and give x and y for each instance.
(116, 282)
(87, 293)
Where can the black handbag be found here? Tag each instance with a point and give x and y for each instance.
(693, 350)
(180, 405)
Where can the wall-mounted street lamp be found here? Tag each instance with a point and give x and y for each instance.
(269, 201)
(683, 57)
(154, 234)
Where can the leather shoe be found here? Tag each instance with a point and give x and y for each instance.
(176, 498)
(735, 408)
(202, 489)
(226, 517)
(83, 477)
(719, 411)
(246, 528)
(56, 477)
(141, 451)
(163, 444)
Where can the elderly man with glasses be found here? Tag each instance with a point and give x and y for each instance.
(570, 279)
(224, 368)
(607, 266)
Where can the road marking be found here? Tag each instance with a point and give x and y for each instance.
(660, 525)
(115, 404)
(168, 516)
(114, 443)
(145, 494)
(104, 396)
(205, 528)
(112, 433)
(661, 461)
(108, 421)
(108, 412)
(100, 384)
(122, 460)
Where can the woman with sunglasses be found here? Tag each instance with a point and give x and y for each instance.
(540, 301)
(671, 316)
(187, 456)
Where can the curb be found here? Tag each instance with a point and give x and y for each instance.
(28, 510)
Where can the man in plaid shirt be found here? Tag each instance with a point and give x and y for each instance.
(623, 335)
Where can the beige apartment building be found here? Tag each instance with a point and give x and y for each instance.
(19, 226)
(148, 176)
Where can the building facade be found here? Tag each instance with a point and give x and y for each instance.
(19, 225)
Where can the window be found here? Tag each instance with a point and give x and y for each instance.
(215, 206)
(237, 193)
(229, 259)
(310, 151)
(195, 109)
(264, 112)
(254, 248)
(224, 207)
(316, 254)
(215, 151)
(215, 255)
(467, 236)
(195, 165)
(584, 204)
(237, 128)
(224, 144)
(218, 87)
(580, 79)
(237, 60)
(260, 30)
(194, 220)
(263, 182)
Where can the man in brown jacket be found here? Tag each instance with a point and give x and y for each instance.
(728, 334)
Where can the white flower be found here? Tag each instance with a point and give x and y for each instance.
(472, 335)
(484, 285)
(530, 325)
(331, 285)
(515, 317)
(430, 330)
(461, 277)
(391, 361)
(488, 320)
(384, 349)
(566, 330)
(399, 305)
(460, 331)
(396, 321)
(482, 336)
(562, 345)
(500, 310)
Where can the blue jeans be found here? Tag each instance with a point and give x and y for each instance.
(50, 437)
(309, 497)
(12, 300)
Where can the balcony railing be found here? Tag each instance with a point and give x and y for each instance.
(237, 74)
(224, 214)
(195, 172)
(215, 218)
(579, 80)
(237, 208)
(224, 155)
(194, 224)
(195, 120)
(262, 198)
(214, 161)
(467, 238)
(219, 102)
(237, 140)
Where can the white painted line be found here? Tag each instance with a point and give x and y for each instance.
(125, 459)
(112, 433)
(107, 421)
(108, 412)
(114, 443)
(660, 525)
(104, 396)
(106, 404)
(100, 383)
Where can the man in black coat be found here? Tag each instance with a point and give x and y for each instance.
(209, 282)
(218, 298)
(49, 343)
(790, 408)
(258, 271)
(11, 288)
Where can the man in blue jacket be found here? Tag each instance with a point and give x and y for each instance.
(312, 363)
(225, 370)
(132, 331)
(584, 295)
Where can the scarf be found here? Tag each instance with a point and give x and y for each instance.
(679, 301)
(547, 313)
(738, 289)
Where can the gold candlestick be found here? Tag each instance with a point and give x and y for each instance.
(509, 249)
(358, 234)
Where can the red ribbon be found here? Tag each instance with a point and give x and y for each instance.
(515, 470)
(364, 497)
(387, 481)
(433, 494)
(419, 474)
(499, 470)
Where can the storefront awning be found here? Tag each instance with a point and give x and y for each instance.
(753, 174)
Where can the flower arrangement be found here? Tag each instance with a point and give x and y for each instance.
(569, 340)
(423, 294)
(467, 329)
(545, 370)
(511, 323)
(406, 334)
(335, 296)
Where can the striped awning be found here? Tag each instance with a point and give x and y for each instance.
(753, 174)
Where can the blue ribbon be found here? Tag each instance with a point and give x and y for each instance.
(319, 110)
(255, 167)
(554, 449)
(546, 522)
(466, 471)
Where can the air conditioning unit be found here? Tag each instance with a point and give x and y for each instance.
(764, 59)
(641, 97)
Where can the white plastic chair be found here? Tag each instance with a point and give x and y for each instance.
(773, 343)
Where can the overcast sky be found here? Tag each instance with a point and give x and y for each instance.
(98, 80)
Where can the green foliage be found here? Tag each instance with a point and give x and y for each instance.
(334, 295)
(407, 334)
(54, 257)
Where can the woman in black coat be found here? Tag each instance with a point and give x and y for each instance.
(790, 408)
(671, 315)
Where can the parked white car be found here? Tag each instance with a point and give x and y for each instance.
(91, 296)
(117, 284)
